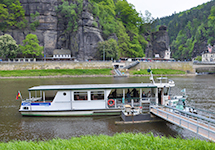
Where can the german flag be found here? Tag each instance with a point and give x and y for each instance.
(18, 96)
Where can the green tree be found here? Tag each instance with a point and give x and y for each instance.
(105, 11)
(123, 40)
(211, 25)
(110, 48)
(126, 13)
(3, 16)
(198, 58)
(31, 46)
(8, 46)
(70, 14)
(13, 15)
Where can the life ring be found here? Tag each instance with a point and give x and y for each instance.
(169, 98)
(111, 100)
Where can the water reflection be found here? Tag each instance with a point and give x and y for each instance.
(15, 127)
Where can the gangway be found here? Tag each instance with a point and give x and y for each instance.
(201, 125)
(131, 65)
(118, 73)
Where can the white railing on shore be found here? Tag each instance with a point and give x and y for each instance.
(21, 59)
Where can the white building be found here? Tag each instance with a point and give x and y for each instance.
(209, 56)
(61, 53)
(167, 54)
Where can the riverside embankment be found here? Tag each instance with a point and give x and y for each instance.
(183, 66)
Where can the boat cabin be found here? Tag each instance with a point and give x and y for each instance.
(164, 86)
(87, 97)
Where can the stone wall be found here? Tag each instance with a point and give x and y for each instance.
(54, 65)
(184, 66)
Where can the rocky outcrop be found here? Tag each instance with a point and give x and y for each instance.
(159, 43)
(82, 43)
(87, 36)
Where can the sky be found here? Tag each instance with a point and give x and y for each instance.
(163, 8)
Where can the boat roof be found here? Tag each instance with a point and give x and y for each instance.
(92, 86)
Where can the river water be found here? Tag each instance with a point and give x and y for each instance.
(13, 126)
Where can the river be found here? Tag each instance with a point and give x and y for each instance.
(13, 126)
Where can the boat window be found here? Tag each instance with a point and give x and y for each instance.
(165, 91)
(36, 94)
(80, 96)
(64, 94)
(97, 95)
(49, 95)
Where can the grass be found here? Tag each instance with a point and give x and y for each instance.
(121, 141)
(157, 71)
(54, 72)
(60, 72)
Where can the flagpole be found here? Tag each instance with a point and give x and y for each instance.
(20, 94)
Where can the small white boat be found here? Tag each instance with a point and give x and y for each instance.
(92, 99)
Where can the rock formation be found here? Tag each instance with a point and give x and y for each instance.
(81, 43)
(159, 43)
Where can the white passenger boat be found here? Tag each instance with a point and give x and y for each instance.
(93, 99)
(82, 100)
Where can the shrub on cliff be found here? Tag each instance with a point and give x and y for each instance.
(8, 46)
(12, 15)
(31, 46)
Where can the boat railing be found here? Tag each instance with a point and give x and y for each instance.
(32, 99)
(133, 101)
(202, 112)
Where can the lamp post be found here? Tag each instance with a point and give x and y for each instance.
(103, 53)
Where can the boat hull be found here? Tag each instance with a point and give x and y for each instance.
(72, 113)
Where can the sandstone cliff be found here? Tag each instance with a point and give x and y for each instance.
(81, 43)
(50, 31)
(158, 44)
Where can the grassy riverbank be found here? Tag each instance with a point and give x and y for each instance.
(118, 141)
(157, 71)
(79, 72)
(54, 72)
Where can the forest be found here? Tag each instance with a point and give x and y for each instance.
(190, 31)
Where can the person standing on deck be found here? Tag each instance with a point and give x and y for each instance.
(143, 96)
(128, 95)
(114, 94)
(149, 94)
